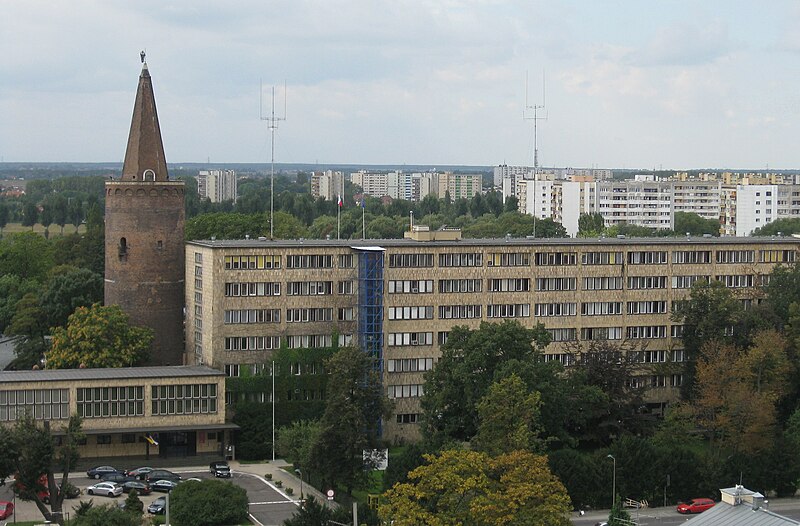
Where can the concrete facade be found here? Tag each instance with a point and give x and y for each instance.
(250, 297)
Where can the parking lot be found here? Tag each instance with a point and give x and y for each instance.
(269, 505)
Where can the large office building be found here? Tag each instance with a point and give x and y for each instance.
(398, 299)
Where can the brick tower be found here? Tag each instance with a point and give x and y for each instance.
(144, 234)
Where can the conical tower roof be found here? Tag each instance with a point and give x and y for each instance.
(144, 158)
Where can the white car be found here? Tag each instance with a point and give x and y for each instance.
(109, 489)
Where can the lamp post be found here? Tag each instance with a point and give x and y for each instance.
(300, 474)
(614, 481)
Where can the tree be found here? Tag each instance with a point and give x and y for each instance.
(29, 323)
(26, 255)
(355, 405)
(295, 441)
(470, 487)
(99, 336)
(690, 223)
(509, 418)
(30, 213)
(67, 289)
(784, 226)
(312, 513)
(462, 376)
(105, 515)
(5, 214)
(618, 516)
(75, 212)
(550, 228)
(208, 503)
(133, 504)
(591, 225)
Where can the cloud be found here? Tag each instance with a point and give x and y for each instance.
(685, 44)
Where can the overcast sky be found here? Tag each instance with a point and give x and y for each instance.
(672, 84)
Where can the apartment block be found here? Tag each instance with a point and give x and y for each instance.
(217, 185)
(398, 299)
(459, 186)
(327, 185)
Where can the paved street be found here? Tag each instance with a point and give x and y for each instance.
(269, 505)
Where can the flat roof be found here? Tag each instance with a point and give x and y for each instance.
(154, 429)
(372, 244)
(121, 373)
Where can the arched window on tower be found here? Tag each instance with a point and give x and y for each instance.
(148, 175)
(123, 248)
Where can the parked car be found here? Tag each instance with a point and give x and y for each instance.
(157, 506)
(162, 474)
(98, 471)
(139, 473)
(695, 505)
(6, 509)
(142, 488)
(43, 492)
(109, 489)
(117, 477)
(163, 485)
(220, 469)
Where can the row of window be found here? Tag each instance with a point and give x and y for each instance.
(42, 404)
(405, 391)
(253, 316)
(409, 365)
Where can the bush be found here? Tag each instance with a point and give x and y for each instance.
(268, 476)
(278, 483)
(208, 503)
(106, 515)
(289, 491)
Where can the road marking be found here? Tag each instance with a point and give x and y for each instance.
(275, 502)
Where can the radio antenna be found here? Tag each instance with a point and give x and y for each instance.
(272, 125)
(526, 115)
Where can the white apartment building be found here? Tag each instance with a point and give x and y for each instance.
(536, 198)
(505, 175)
(459, 186)
(217, 185)
(327, 185)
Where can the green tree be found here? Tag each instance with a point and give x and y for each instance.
(5, 215)
(208, 503)
(30, 324)
(67, 289)
(784, 226)
(690, 223)
(509, 418)
(355, 406)
(312, 513)
(591, 225)
(133, 504)
(75, 212)
(511, 204)
(618, 516)
(26, 255)
(466, 369)
(99, 336)
(105, 515)
(470, 487)
(30, 213)
(295, 441)
(783, 290)
(58, 208)
(550, 228)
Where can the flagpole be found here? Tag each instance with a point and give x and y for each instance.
(363, 220)
(339, 218)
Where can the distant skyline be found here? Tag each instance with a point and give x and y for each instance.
(630, 84)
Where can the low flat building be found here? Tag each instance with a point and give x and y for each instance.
(132, 411)
(740, 507)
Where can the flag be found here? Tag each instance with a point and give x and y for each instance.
(341, 203)
(363, 202)
(151, 440)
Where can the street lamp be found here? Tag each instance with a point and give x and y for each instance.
(300, 473)
(614, 481)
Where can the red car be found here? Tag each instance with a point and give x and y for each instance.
(6, 509)
(695, 506)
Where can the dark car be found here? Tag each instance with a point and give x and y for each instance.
(220, 469)
(695, 505)
(162, 474)
(98, 471)
(117, 477)
(139, 473)
(142, 488)
(157, 506)
(164, 486)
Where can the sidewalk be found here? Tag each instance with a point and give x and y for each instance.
(287, 476)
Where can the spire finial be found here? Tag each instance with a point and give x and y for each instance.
(142, 54)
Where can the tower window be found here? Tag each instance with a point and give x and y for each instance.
(123, 247)
(159, 244)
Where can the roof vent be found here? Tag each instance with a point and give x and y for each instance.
(707, 235)
(620, 236)
(213, 238)
(262, 238)
(247, 236)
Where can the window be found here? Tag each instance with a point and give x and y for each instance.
(309, 315)
(449, 286)
(735, 256)
(554, 309)
(410, 286)
(647, 307)
(655, 257)
(41, 404)
(252, 316)
(460, 259)
(601, 333)
(691, 256)
(509, 285)
(411, 313)
(309, 341)
(441, 337)
(602, 258)
(252, 262)
(515, 310)
(397, 339)
(647, 282)
(309, 288)
(644, 332)
(410, 260)
(405, 391)
(183, 399)
(345, 313)
(459, 312)
(601, 308)
(686, 282)
(128, 438)
(252, 343)
(548, 284)
(564, 359)
(562, 335)
(737, 281)
(555, 258)
(408, 418)
(777, 256)
(346, 261)
(103, 440)
(508, 259)
(198, 257)
(105, 402)
(344, 288)
(409, 365)
(602, 283)
(260, 288)
(309, 261)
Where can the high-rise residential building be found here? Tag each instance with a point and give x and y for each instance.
(459, 186)
(144, 225)
(328, 185)
(217, 185)
(399, 299)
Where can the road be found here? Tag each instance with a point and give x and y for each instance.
(669, 517)
(269, 505)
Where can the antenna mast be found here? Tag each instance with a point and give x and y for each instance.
(272, 124)
(535, 118)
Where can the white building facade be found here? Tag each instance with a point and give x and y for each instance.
(217, 185)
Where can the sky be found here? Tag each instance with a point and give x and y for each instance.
(666, 84)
